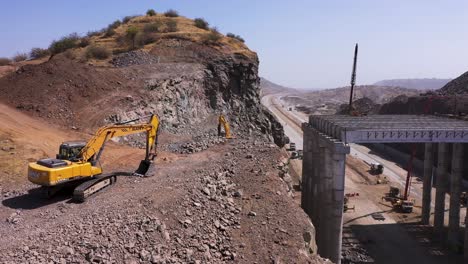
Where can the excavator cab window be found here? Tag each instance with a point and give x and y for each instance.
(70, 150)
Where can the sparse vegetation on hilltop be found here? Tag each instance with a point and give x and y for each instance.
(152, 27)
(171, 13)
(20, 57)
(97, 52)
(212, 37)
(234, 36)
(127, 19)
(171, 26)
(63, 44)
(37, 53)
(201, 23)
(132, 32)
(150, 12)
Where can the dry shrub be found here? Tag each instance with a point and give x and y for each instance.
(63, 44)
(153, 27)
(171, 26)
(97, 52)
(150, 12)
(201, 23)
(37, 53)
(234, 36)
(171, 13)
(212, 37)
(4, 61)
(20, 57)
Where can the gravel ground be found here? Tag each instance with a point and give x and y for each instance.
(223, 204)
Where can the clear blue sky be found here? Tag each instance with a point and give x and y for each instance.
(303, 44)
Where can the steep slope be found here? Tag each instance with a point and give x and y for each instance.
(419, 84)
(180, 76)
(458, 85)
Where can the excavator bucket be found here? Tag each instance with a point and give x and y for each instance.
(147, 168)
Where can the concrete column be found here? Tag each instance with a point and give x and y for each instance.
(427, 184)
(315, 164)
(322, 204)
(306, 170)
(455, 182)
(441, 188)
(336, 219)
(465, 249)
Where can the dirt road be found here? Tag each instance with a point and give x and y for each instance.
(396, 239)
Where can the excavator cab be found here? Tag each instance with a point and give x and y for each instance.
(70, 150)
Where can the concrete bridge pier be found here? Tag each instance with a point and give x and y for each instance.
(323, 189)
(441, 189)
(427, 184)
(455, 191)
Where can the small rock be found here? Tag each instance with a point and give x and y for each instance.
(238, 193)
(252, 213)
(206, 191)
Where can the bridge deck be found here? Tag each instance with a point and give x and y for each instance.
(391, 128)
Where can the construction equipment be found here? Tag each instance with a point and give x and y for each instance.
(346, 206)
(353, 82)
(292, 146)
(376, 168)
(78, 161)
(399, 203)
(227, 130)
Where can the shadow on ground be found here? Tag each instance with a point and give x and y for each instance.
(398, 243)
(35, 198)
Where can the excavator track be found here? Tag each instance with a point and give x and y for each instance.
(91, 187)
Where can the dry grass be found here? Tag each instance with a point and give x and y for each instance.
(186, 30)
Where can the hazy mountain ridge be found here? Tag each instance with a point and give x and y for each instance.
(269, 87)
(420, 84)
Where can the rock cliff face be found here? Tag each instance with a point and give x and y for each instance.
(185, 83)
(458, 85)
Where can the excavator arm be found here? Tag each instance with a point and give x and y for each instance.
(227, 129)
(92, 151)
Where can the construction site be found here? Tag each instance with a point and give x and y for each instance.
(154, 140)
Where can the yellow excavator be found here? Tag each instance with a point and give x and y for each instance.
(78, 161)
(223, 122)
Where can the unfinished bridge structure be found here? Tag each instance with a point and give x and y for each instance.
(326, 143)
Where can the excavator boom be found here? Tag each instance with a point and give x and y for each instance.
(225, 124)
(96, 144)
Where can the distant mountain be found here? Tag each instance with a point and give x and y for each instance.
(457, 86)
(332, 99)
(268, 87)
(420, 84)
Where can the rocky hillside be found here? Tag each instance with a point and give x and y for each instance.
(329, 101)
(419, 84)
(457, 86)
(450, 99)
(185, 74)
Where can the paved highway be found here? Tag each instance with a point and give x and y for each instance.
(391, 242)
